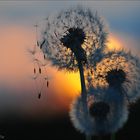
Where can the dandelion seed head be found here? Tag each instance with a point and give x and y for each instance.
(74, 40)
(115, 77)
(74, 33)
(119, 69)
(74, 36)
(107, 112)
(99, 109)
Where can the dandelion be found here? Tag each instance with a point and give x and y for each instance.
(71, 37)
(74, 34)
(107, 112)
(120, 70)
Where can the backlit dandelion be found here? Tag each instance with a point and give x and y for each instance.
(71, 35)
(120, 70)
(107, 112)
(70, 38)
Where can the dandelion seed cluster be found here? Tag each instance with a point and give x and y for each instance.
(120, 70)
(76, 32)
(107, 112)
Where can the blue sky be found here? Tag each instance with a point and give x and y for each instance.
(121, 16)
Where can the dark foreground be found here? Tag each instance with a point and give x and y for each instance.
(60, 128)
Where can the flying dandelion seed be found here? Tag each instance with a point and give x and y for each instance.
(42, 44)
(34, 71)
(39, 95)
(47, 83)
(32, 52)
(107, 112)
(120, 70)
(34, 77)
(40, 81)
(39, 70)
(44, 56)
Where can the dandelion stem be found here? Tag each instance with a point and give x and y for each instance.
(83, 85)
(83, 91)
(113, 136)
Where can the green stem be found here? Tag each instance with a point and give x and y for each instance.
(113, 136)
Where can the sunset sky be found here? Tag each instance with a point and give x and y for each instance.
(18, 95)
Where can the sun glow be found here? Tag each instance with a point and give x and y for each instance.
(16, 66)
(114, 43)
(69, 83)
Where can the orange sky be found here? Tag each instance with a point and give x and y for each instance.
(16, 68)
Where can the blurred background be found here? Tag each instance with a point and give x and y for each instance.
(22, 115)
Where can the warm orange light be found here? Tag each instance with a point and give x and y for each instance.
(74, 81)
(114, 43)
(16, 66)
(67, 85)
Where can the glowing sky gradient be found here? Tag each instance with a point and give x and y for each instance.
(17, 92)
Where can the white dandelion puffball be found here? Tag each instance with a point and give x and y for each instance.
(107, 112)
(120, 70)
(73, 35)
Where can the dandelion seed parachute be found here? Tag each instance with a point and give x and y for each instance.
(39, 70)
(39, 95)
(107, 112)
(76, 29)
(119, 69)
